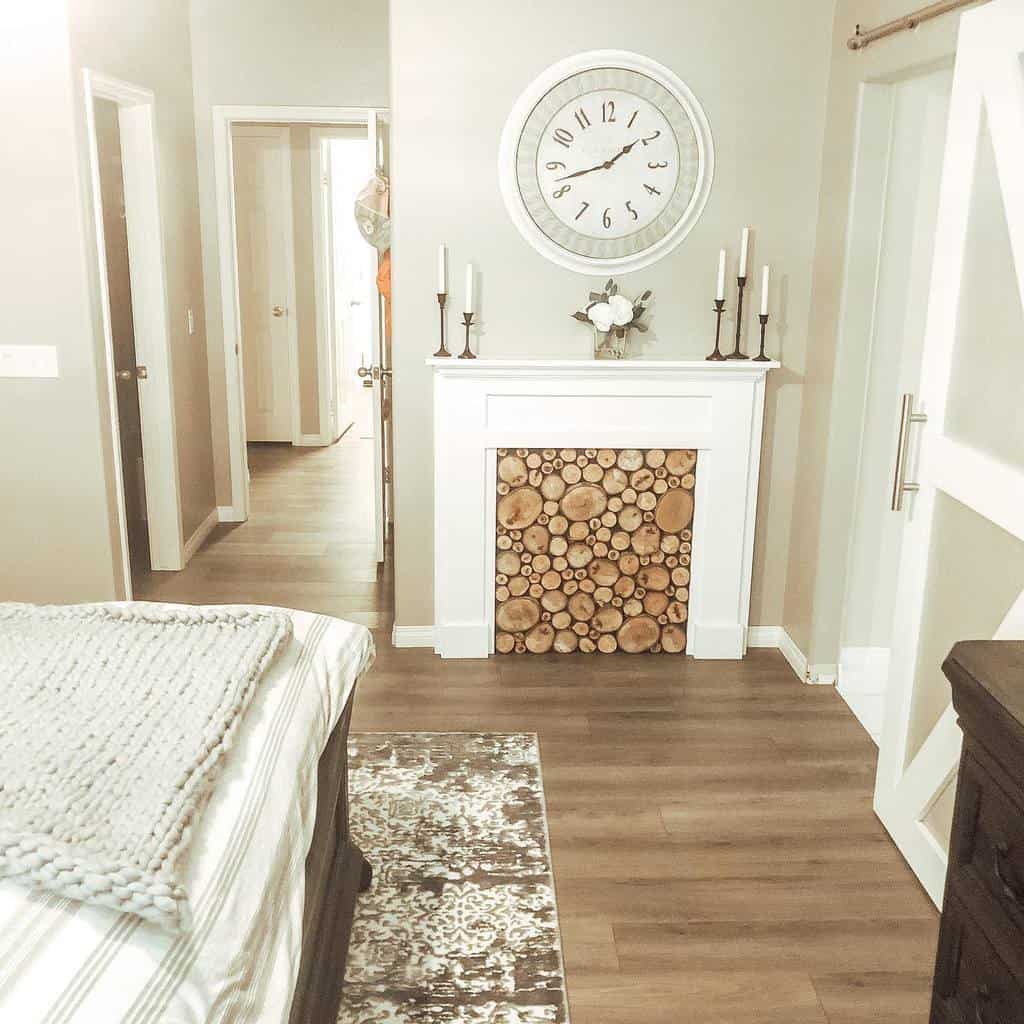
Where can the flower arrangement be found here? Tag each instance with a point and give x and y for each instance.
(613, 316)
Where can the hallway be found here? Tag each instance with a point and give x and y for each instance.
(307, 544)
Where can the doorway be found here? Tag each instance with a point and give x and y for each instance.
(901, 136)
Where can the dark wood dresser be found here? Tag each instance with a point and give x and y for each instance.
(979, 970)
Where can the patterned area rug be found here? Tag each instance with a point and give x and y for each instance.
(460, 926)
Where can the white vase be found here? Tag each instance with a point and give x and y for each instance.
(608, 344)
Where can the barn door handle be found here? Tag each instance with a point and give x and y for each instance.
(1010, 891)
(899, 485)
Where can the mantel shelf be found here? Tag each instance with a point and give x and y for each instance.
(739, 369)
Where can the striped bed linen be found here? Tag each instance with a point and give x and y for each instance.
(63, 962)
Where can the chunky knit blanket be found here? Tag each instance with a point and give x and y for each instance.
(114, 721)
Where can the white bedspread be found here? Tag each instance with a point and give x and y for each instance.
(66, 963)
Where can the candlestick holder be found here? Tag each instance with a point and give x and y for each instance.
(719, 309)
(442, 352)
(740, 285)
(761, 357)
(467, 319)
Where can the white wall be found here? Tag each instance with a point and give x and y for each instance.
(257, 52)
(457, 68)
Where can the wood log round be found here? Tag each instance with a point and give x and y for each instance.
(630, 459)
(513, 471)
(566, 641)
(579, 574)
(569, 454)
(582, 607)
(503, 488)
(533, 460)
(655, 602)
(677, 612)
(662, 620)
(673, 481)
(502, 593)
(653, 577)
(536, 590)
(603, 572)
(519, 508)
(638, 634)
(557, 525)
(619, 541)
(688, 481)
(630, 518)
(518, 615)
(504, 542)
(570, 586)
(673, 639)
(674, 511)
(655, 457)
(657, 557)
(578, 531)
(659, 487)
(587, 646)
(592, 473)
(603, 595)
(535, 477)
(646, 539)
(536, 539)
(554, 600)
(646, 502)
(641, 479)
(607, 644)
(504, 643)
(541, 563)
(541, 638)
(581, 628)
(606, 457)
(559, 563)
(578, 554)
(614, 480)
(607, 619)
(588, 586)
(624, 586)
(629, 563)
(584, 501)
(550, 580)
(670, 543)
(680, 461)
(600, 548)
(550, 509)
(508, 562)
(671, 561)
(615, 504)
(609, 519)
(561, 620)
(546, 467)
(518, 585)
(552, 487)
(629, 496)
(681, 576)
(632, 607)
(603, 534)
(571, 473)
(558, 546)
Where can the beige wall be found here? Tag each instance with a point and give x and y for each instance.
(457, 68)
(822, 516)
(60, 541)
(263, 52)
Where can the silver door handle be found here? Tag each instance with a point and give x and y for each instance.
(899, 485)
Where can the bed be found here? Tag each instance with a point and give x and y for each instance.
(273, 868)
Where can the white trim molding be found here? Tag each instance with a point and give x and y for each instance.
(229, 514)
(201, 532)
(777, 638)
(412, 636)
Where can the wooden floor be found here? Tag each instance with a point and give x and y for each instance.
(715, 854)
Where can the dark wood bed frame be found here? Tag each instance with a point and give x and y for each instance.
(336, 872)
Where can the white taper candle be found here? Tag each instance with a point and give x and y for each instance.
(442, 269)
(469, 288)
(720, 289)
(764, 289)
(744, 242)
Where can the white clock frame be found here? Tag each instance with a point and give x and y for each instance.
(520, 113)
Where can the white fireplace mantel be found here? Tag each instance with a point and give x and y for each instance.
(481, 405)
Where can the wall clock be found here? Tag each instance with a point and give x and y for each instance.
(606, 162)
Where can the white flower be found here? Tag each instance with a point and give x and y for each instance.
(621, 310)
(601, 315)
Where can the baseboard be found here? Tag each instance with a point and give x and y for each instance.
(412, 636)
(863, 675)
(777, 637)
(202, 531)
(312, 441)
(229, 514)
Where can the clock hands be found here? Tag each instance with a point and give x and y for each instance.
(602, 166)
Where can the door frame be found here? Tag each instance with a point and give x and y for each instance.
(223, 117)
(148, 273)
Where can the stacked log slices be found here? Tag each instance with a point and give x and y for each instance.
(593, 550)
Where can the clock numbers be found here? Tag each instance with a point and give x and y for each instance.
(629, 207)
(606, 220)
(629, 123)
(608, 111)
(581, 119)
(657, 166)
(562, 137)
(651, 190)
(647, 140)
(559, 192)
(555, 165)
(583, 210)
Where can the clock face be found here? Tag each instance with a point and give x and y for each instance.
(606, 162)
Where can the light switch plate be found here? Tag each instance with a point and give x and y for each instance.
(28, 361)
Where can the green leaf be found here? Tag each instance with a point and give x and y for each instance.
(614, 289)
(608, 286)
(646, 295)
(582, 317)
(598, 297)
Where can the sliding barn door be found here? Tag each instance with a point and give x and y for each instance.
(959, 467)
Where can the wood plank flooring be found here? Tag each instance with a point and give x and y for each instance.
(715, 854)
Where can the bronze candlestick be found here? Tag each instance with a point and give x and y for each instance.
(467, 319)
(442, 352)
(719, 308)
(736, 353)
(761, 357)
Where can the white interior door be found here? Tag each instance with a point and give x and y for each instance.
(263, 215)
(961, 568)
(376, 360)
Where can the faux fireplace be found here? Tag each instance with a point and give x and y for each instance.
(692, 427)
